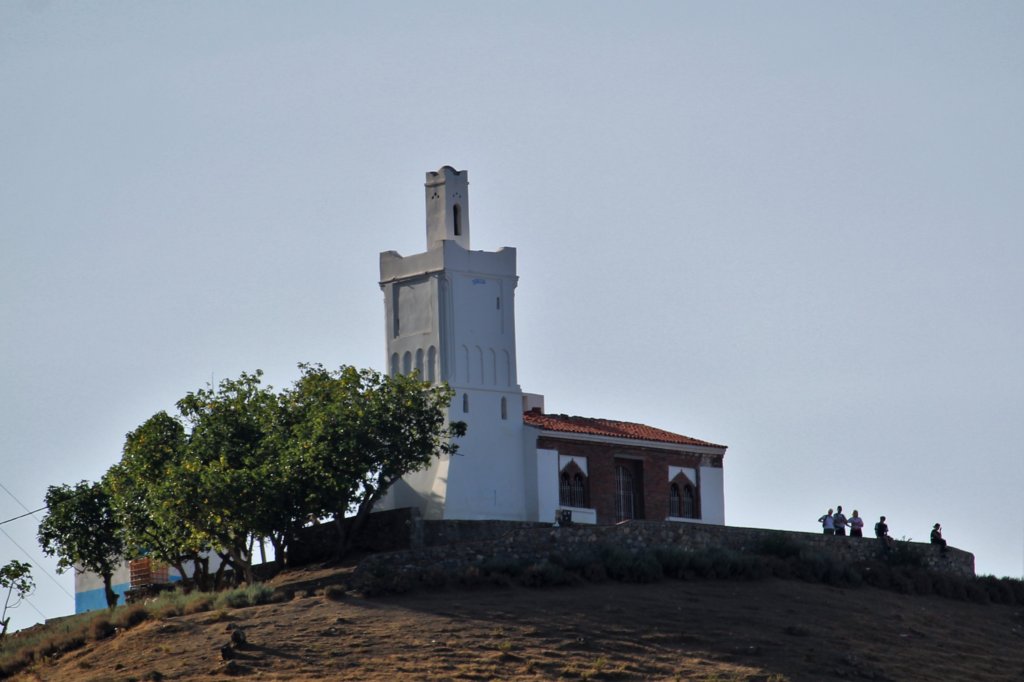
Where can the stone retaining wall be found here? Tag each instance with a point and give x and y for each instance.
(532, 542)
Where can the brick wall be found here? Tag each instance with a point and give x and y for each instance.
(649, 467)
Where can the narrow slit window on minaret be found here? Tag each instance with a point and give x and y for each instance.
(504, 407)
(457, 219)
(465, 402)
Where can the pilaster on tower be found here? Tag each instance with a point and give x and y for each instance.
(447, 195)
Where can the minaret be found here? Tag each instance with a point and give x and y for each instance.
(447, 198)
(450, 315)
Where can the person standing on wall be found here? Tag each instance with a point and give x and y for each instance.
(839, 521)
(827, 523)
(882, 533)
(856, 525)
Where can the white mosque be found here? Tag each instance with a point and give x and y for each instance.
(450, 315)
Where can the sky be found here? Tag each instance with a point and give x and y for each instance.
(794, 228)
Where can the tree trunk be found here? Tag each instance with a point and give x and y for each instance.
(359, 520)
(109, 591)
(185, 580)
(201, 572)
(342, 546)
(219, 575)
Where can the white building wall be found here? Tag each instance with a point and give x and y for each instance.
(547, 484)
(458, 307)
(712, 495)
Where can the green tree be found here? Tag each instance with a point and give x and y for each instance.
(147, 495)
(229, 466)
(16, 579)
(352, 433)
(80, 529)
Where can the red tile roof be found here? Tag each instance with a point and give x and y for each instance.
(606, 427)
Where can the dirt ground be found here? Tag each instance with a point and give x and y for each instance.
(701, 630)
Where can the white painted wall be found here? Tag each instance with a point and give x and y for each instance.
(547, 483)
(712, 495)
(458, 307)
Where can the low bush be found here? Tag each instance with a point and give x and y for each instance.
(130, 616)
(199, 603)
(547, 574)
(242, 597)
(101, 628)
(675, 562)
(334, 592)
(630, 567)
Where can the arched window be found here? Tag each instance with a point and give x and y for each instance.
(572, 489)
(625, 499)
(689, 503)
(419, 361)
(465, 402)
(394, 364)
(432, 364)
(407, 363)
(675, 503)
(504, 407)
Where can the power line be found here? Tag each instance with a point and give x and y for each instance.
(13, 497)
(45, 572)
(35, 511)
(15, 518)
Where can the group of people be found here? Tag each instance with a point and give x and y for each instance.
(836, 523)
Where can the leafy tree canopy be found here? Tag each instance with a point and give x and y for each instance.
(16, 579)
(240, 462)
(355, 432)
(80, 529)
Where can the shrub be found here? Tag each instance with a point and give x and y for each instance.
(999, 590)
(675, 562)
(131, 616)
(199, 603)
(546, 574)
(101, 628)
(577, 561)
(594, 572)
(334, 592)
(641, 567)
(241, 597)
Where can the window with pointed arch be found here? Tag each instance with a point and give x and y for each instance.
(682, 499)
(689, 503)
(572, 487)
(675, 501)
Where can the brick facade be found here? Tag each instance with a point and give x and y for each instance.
(648, 465)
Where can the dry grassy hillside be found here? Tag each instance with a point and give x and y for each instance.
(689, 630)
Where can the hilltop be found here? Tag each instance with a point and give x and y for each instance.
(770, 629)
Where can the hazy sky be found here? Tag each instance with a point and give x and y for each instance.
(792, 228)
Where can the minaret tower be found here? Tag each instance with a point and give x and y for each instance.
(450, 315)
